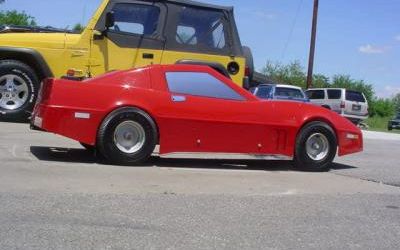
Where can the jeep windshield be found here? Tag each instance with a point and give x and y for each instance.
(75, 23)
(30, 29)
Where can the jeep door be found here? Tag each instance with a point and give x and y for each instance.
(133, 41)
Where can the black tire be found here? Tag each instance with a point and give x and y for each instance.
(249, 60)
(107, 146)
(302, 160)
(390, 128)
(29, 76)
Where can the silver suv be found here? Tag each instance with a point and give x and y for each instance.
(348, 103)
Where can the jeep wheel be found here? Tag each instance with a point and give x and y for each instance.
(18, 90)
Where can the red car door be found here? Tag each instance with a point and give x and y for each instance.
(203, 113)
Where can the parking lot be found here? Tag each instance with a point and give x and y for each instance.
(54, 194)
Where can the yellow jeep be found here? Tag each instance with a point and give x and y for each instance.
(122, 34)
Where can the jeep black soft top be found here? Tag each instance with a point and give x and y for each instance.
(196, 3)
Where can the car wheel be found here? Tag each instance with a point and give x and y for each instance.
(316, 147)
(18, 90)
(390, 128)
(127, 136)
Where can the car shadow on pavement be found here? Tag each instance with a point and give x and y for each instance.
(78, 155)
(57, 154)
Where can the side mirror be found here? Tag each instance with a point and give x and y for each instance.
(98, 35)
(110, 20)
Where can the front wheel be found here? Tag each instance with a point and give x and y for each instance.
(316, 147)
(127, 136)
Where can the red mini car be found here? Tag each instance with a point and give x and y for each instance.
(191, 112)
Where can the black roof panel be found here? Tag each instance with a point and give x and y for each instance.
(196, 3)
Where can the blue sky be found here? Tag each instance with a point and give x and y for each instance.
(356, 37)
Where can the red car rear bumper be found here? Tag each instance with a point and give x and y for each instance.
(79, 125)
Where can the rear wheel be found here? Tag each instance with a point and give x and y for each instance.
(18, 90)
(316, 147)
(390, 128)
(127, 136)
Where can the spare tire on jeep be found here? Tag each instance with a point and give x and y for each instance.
(249, 61)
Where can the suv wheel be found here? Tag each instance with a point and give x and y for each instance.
(18, 90)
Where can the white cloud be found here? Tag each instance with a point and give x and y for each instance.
(264, 15)
(388, 91)
(369, 49)
(397, 38)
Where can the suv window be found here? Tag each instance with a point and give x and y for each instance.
(289, 92)
(263, 92)
(334, 93)
(315, 94)
(200, 84)
(135, 18)
(201, 27)
(354, 96)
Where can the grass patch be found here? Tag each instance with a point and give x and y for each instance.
(378, 123)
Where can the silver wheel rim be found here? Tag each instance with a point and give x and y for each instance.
(129, 137)
(14, 92)
(317, 146)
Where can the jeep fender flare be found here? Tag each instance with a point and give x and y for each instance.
(29, 56)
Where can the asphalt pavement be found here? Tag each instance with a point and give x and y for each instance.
(56, 195)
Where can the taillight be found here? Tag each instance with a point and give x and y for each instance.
(342, 105)
(45, 90)
(247, 71)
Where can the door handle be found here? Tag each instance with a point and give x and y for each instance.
(178, 98)
(148, 56)
(77, 53)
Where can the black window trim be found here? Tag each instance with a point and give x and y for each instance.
(147, 42)
(315, 90)
(172, 24)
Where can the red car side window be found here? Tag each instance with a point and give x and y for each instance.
(200, 84)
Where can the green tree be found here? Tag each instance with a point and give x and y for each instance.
(13, 17)
(383, 107)
(292, 73)
(321, 81)
(396, 102)
(78, 27)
